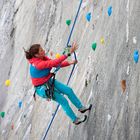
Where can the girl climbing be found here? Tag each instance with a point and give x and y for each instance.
(47, 86)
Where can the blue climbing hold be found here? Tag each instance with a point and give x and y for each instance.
(109, 10)
(19, 104)
(88, 16)
(136, 56)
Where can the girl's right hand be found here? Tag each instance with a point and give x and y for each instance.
(74, 47)
(73, 62)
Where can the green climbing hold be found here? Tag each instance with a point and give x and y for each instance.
(2, 114)
(68, 22)
(94, 46)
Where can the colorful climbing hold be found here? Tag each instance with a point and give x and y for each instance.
(94, 46)
(2, 114)
(109, 117)
(68, 22)
(7, 83)
(123, 85)
(12, 126)
(19, 104)
(57, 55)
(88, 17)
(134, 40)
(109, 10)
(136, 56)
(102, 40)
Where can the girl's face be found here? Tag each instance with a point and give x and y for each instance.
(41, 53)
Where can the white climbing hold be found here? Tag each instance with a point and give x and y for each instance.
(109, 117)
(126, 96)
(128, 69)
(84, 4)
(3, 131)
(127, 32)
(98, 16)
(134, 40)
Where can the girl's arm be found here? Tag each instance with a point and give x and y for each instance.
(50, 63)
(66, 63)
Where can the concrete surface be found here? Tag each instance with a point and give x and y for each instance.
(97, 76)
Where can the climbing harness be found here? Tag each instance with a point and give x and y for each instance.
(49, 88)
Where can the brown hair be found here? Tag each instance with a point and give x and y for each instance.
(34, 49)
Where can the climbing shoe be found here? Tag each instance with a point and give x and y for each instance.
(85, 108)
(80, 120)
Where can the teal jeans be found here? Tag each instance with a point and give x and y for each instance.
(60, 90)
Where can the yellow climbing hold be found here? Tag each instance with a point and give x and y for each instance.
(7, 83)
(57, 55)
(102, 40)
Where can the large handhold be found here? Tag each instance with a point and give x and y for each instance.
(88, 17)
(109, 10)
(136, 56)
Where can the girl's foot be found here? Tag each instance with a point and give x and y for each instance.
(85, 108)
(80, 120)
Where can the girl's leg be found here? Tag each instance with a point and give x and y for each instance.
(69, 92)
(65, 105)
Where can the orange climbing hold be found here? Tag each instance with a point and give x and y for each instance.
(123, 85)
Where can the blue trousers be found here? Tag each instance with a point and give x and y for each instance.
(59, 92)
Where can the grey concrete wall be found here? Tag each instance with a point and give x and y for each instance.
(97, 77)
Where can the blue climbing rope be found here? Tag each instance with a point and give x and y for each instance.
(47, 130)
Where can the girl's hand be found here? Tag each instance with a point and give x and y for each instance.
(73, 62)
(74, 47)
(51, 53)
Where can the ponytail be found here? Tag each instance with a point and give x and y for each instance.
(27, 54)
(34, 49)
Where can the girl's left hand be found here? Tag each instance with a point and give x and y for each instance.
(73, 62)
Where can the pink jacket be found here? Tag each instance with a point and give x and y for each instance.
(41, 65)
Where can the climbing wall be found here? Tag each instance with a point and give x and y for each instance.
(107, 73)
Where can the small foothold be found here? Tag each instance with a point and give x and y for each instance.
(12, 126)
(86, 83)
(123, 85)
(134, 40)
(7, 83)
(68, 22)
(102, 40)
(2, 114)
(94, 46)
(96, 77)
(88, 17)
(109, 117)
(19, 104)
